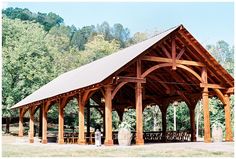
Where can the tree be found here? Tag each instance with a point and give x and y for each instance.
(82, 36)
(121, 34)
(138, 37)
(26, 62)
(97, 48)
(65, 56)
(224, 54)
(105, 30)
(47, 20)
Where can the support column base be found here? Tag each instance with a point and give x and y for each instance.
(193, 139)
(207, 140)
(229, 140)
(44, 141)
(139, 142)
(31, 140)
(61, 141)
(20, 135)
(81, 142)
(108, 142)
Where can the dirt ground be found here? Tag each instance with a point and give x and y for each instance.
(13, 146)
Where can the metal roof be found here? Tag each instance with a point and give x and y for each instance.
(92, 73)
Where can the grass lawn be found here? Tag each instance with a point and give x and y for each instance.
(11, 147)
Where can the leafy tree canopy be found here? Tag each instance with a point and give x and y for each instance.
(47, 20)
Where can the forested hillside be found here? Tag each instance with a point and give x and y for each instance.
(37, 47)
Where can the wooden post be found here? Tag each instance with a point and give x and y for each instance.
(40, 121)
(228, 130)
(104, 123)
(163, 116)
(20, 134)
(88, 120)
(139, 112)
(61, 122)
(31, 131)
(108, 116)
(81, 120)
(44, 132)
(207, 132)
(192, 123)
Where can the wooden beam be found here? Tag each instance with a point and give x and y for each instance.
(192, 124)
(182, 62)
(81, 105)
(45, 108)
(214, 86)
(163, 116)
(138, 105)
(200, 52)
(165, 51)
(220, 95)
(188, 102)
(229, 91)
(130, 79)
(168, 89)
(173, 54)
(118, 87)
(108, 116)
(205, 100)
(228, 130)
(21, 129)
(180, 53)
(31, 132)
(61, 105)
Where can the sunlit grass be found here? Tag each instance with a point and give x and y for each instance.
(12, 149)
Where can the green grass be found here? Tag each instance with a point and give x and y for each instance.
(11, 149)
(45, 151)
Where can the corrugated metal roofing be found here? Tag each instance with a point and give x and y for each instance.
(92, 73)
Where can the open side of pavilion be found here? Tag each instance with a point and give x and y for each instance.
(171, 66)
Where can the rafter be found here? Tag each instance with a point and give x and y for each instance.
(173, 53)
(199, 51)
(165, 51)
(180, 53)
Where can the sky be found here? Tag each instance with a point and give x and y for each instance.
(208, 22)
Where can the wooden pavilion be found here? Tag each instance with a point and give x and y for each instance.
(171, 66)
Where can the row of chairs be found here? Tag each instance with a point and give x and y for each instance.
(178, 136)
(72, 138)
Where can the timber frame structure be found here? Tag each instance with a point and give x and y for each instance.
(171, 66)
